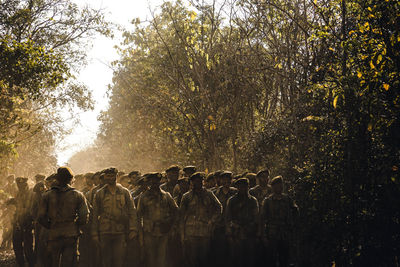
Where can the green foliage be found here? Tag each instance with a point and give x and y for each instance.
(39, 53)
(308, 88)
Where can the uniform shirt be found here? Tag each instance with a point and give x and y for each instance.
(277, 216)
(157, 211)
(64, 211)
(199, 211)
(260, 193)
(241, 216)
(223, 198)
(113, 213)
(23, 206)
(168, 187)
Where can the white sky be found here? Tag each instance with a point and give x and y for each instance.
(97, 74)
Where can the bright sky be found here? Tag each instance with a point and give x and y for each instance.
(97, 75)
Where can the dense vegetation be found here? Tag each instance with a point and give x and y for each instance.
(42, 45)
(308, 88)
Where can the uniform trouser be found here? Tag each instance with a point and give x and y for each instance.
(112, 249)
(85, 249)
(42, 255)
(23, 245)
(174, 250)
(220, 247)
(196, 251)
(133, 254)
(279, 252)
(155, 248)
(243, 252)
(64, 251)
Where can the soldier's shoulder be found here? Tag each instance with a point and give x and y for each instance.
(186, 195)
(233, 189)
(123, 189)
(254, 189)
(164, 185)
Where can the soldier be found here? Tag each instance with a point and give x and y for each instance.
(252, 179)
(180, 189)
(88, 177)
(98, 179)
(158, 211)
(141, 186)
(125, 181)
(63, 211)
(262, 190)
(134, 176)
(172, 175)
(210, 182)
(114, 219)
(241, 218)
(199, 212)
(23, 224)
(277, 223)
(11, 187)
(188, 171)
(223, 193)
(40, 245)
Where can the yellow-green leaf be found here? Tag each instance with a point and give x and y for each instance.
(386, 86)
(335, 101)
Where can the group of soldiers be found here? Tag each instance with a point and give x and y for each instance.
(180, 217)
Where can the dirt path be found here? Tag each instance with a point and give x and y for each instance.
(7, 258)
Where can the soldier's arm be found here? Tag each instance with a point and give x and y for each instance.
(255, 214)
(95, 223)
(82, 210)
(216, 208)
(42, 215)
(132, 213)
(228, 216)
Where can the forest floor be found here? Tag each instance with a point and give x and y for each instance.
(7, 258)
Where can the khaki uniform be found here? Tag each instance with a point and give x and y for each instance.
(260, 193)
(220, 240)
(23, 226)
(64, 211)
(199, 212)
(278, 213)
(158, 211)
(168, 187)
(114, 217)
(241, 219)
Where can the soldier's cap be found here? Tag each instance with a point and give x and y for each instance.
(210, 176)
(264, 172)
(191, 169)
(197, 175)
(226, 174)
(250, 175)
(173, 168)
(153, 175)
(110, 170)
(64, 173)
(134, 173)
(38, 186)
(11, 176)
(242, 181)
(39, 177)
(218, 173)
(21, 180)
(277, 180)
